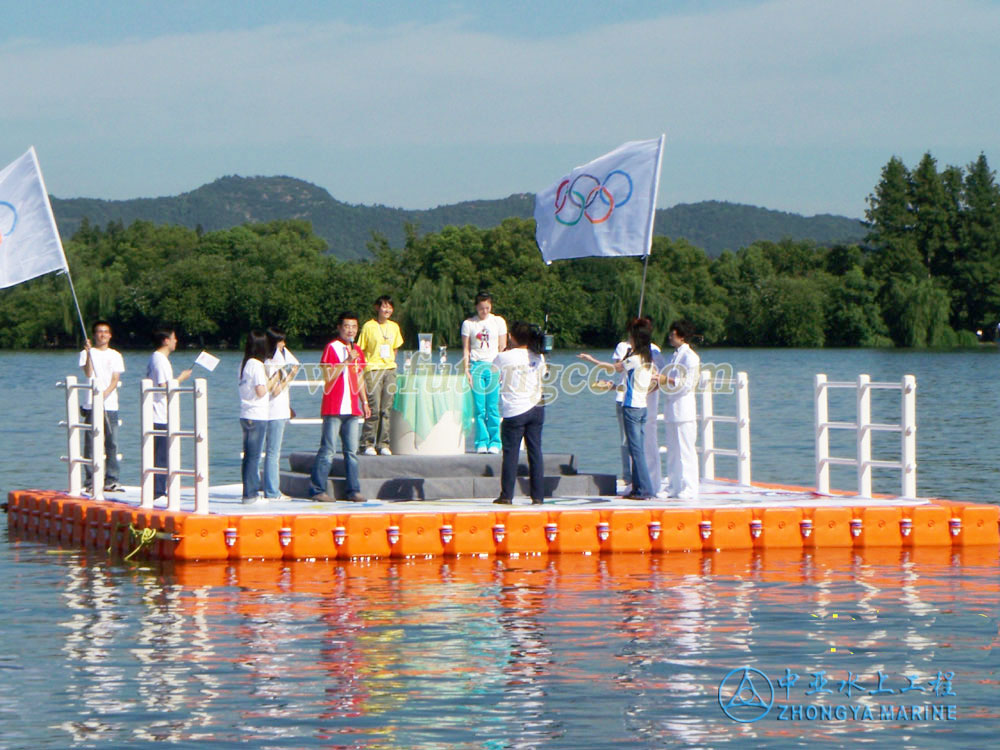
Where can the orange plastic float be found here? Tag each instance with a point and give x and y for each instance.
(521, 531)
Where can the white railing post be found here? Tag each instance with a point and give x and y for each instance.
(97, 432)
(707, 427)
(743, 428)
(73, 453)
(864, 436)
(201, 445)
(822, 411)
(909, 437)
(147, 453)
(173, 446)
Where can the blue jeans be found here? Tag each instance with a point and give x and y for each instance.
(486, 404)
(272, 457)
(349, 428)
(623, 445)
(634, 419)
(253, 441)
(512, 429)
(111, 467)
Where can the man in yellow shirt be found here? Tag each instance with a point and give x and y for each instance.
(379, 340)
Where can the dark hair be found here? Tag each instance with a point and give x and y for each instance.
(346, 315)
(383, 299)
(93, 328)
(256, 348)
(684, 329)
(274, 337)
(527, 334)
(640, 330)
(484, 297)
(161, 334)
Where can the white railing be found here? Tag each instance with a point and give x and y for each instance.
(75, 427)
(313, 385)
(174, 434)
(707, 385)
(864, 427)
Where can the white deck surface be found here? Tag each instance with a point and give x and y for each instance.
(226, 500)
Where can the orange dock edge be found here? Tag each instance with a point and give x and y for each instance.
(53, 516)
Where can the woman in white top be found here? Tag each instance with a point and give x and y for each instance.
(281, 366)
(253, 411)
(484, 336)
(521, 369)
(678, 383)
(638, 369)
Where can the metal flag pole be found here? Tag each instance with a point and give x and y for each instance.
(642, 289)
(652, 220)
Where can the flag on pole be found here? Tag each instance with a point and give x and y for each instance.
(29, 240)
(603, 208)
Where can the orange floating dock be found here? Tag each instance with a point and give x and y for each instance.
(726, 516)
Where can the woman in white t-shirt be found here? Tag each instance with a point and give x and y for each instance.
(521, 368)
(253, 412)
(484, 336)
(638, 369)
(281, 367)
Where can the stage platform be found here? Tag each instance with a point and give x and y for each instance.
(724, 516)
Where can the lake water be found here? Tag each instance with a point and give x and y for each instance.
(571, 652)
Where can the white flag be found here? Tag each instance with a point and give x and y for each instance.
(208, 361)
(604, 208)
(29, 240)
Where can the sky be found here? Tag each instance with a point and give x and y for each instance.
(794, 105)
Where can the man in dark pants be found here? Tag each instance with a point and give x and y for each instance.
(104, 366)
(160, 371)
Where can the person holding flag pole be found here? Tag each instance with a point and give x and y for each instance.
(605, 208)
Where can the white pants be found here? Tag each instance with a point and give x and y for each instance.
(682, 459)
(652, 446)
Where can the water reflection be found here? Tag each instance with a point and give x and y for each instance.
(574, 651)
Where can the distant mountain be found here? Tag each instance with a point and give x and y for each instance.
(231, 201)
(715, 226)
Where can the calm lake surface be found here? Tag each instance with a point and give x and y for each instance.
(587, 652)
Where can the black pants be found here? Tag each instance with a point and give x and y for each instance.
(528, 426)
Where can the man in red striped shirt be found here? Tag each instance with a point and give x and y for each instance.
(345, 407)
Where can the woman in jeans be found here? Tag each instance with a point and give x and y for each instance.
(638, 368)
(281, 367)
(521, 369)
(253, 412)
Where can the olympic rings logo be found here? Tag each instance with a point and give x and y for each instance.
(569, 193)
(8, 219)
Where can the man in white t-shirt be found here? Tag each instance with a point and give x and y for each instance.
(484, 336)
(160, 371)
(104, 366)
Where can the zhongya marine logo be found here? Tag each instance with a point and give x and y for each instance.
(8, 219)
(572, 205)
(742, 697)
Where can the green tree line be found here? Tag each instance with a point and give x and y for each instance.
(928, 274)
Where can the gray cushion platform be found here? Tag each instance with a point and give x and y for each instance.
(468, 464)
(470, 475)
(447, 488)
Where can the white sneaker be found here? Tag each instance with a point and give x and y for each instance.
(370, 451)
(482, 450)
(259, 500)
(385, 452)
(493, 449)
